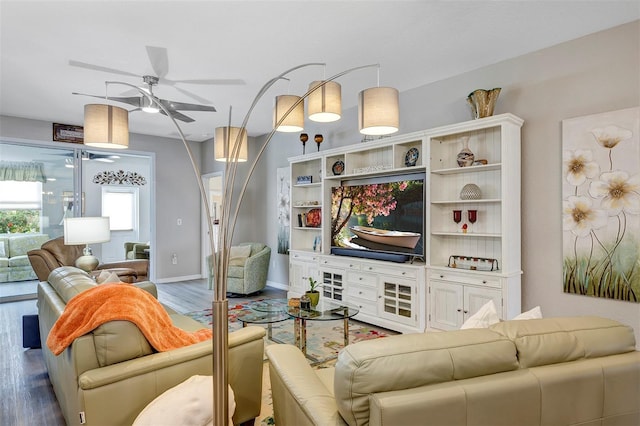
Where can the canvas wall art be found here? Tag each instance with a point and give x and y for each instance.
(284, 183)
(601, 205)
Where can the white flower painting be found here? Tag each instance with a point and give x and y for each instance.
(601, 205)
(284, 183)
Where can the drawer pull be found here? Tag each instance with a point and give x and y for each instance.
(359, 292)
(484, 281)
(441, 276)
(404, 273)
(466, 312)
(459, 310)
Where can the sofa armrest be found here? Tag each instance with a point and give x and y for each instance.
(42, 262)
(299, 396)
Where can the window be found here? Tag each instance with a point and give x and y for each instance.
(121, 206)
(20, 206)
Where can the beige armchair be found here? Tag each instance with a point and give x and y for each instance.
(136, 250)
(248, 268)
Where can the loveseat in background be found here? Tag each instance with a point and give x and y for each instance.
(553, 371)
(109, 375)
(14, 262)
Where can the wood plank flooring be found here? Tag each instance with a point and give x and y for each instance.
(25, 390)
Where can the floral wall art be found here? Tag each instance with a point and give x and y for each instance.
(601, 205)
(284, 183)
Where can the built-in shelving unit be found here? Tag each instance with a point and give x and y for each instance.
(415, 296)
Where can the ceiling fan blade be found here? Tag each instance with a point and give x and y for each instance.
(100, 68)
(182, 106)
(214, 81)
(179, 116)
(135, 101)
(159, 60)
(192, 95)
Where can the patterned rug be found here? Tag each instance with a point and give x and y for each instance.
(324, 340)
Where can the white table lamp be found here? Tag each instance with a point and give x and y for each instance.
(86, 230)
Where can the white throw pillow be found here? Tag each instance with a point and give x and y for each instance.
(238, 255)
(485, 316)
(534, 313)
(189, 403)
(107, 277)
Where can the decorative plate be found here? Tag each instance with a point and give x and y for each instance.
(412, 157)
(314, 218)
(338, 167)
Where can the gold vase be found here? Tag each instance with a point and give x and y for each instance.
(482, 102)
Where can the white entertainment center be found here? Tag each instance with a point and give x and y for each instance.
(461, 269)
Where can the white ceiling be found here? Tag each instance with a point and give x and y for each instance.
(415, 43)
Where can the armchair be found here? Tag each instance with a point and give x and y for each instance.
(248, 268)
(136, 250)
(54, 253)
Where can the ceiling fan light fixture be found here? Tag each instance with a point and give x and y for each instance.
(148, 105)
(324, 104)
(294, 122)
(378, 111)
(106, 126)
(225, 138)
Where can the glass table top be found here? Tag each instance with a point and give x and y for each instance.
(325, 310)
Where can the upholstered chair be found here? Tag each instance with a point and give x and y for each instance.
(136, 250)
(248, 268)
(55, 253)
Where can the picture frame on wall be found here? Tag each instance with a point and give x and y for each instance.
(68, 133)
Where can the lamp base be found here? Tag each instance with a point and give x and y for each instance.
(87, 263)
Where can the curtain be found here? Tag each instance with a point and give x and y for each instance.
(22, 171)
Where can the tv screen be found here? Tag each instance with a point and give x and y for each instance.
(379, 216)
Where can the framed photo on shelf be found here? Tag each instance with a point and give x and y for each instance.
(68, 133)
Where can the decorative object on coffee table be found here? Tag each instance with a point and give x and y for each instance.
(313, 293)
(465, 156)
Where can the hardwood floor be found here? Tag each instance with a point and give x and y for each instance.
(27, 395)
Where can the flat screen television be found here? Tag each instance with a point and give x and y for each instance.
(380, 217)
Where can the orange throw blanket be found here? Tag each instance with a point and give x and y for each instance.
(119, 301)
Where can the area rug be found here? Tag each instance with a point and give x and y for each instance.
(324, 340)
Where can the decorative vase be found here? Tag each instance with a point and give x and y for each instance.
(314, 297)
(482, 102)
(465, 156)
(470, 191)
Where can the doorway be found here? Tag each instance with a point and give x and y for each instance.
(213, 187)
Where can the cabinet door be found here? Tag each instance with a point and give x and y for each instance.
(446, 303)
(398, 300)
(299, 273)
(476, 297)
(332, 283)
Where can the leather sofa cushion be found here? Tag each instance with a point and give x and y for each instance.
(556, 340)
(118, 341)
(414, 360)
(69, 281)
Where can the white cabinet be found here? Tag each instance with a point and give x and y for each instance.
(302, 266)
(451, 303)
(491, 244)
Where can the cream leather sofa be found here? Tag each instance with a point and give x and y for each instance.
(108, 376)
(561, 371)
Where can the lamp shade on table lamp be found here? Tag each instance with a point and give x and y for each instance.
(86, 230)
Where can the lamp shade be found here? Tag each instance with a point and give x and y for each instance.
(294, 122)
(86, 230)
(325, 103)
(106, 126)
(225, 138)
(378, 111)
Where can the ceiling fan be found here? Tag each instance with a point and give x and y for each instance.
(160, 63)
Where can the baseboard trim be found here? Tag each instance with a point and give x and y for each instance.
(279, 286)
(176, 279)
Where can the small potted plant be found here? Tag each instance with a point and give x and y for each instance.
(313, 293)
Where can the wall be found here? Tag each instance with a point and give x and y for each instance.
(176, 195)
(589, 75)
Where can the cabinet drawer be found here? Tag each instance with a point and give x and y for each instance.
(339, 262)
(405, 272)
(365, 306)
(362, 292)
(360, 278)
(466, 278)
(304, 257)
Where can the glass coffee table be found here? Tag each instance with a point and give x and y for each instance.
(326, 310)
(267, 312)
